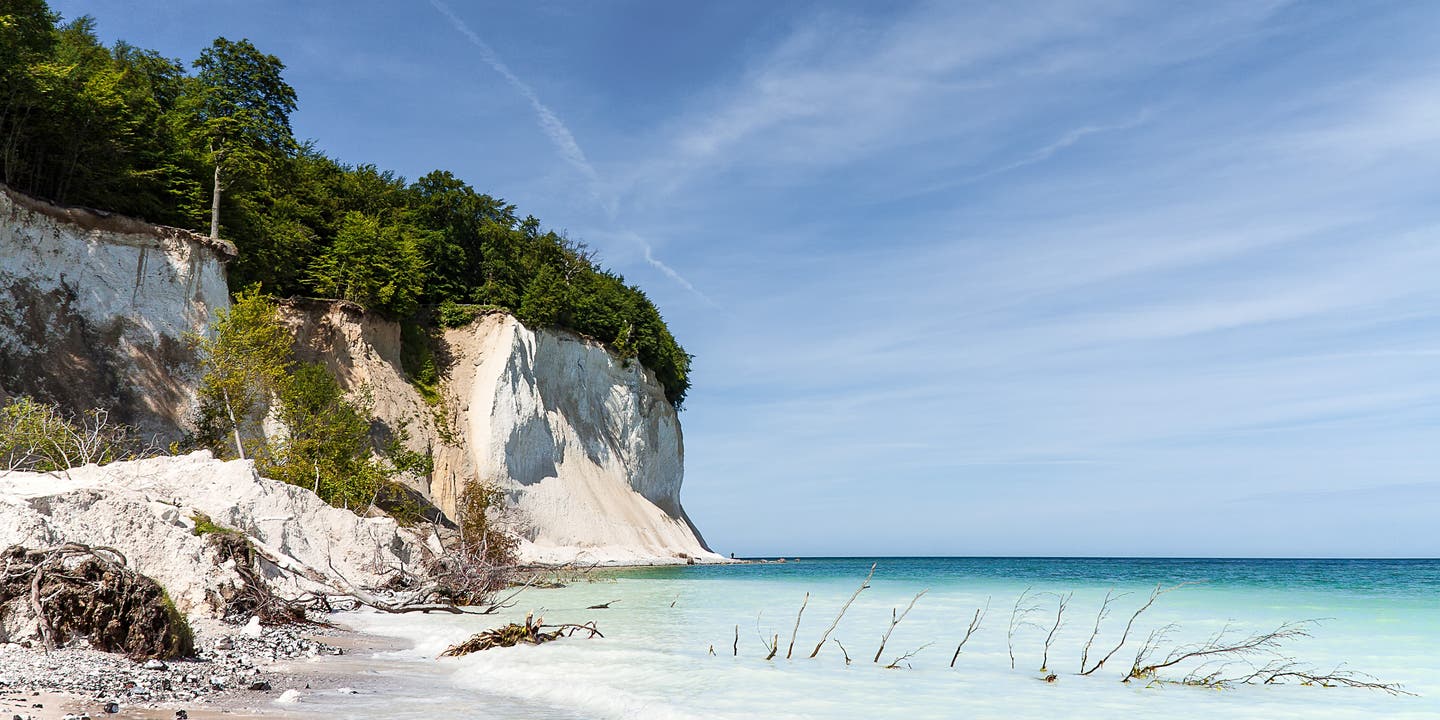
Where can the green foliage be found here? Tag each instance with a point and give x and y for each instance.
(451, 314)
(480, 535)
(402, 459)
(418, 361)
(376, 265)
(82, 123)
(40, 437)
(326, 446)
(204, 525)
(235, 113)
(245, 361)
(127, 130)
(241, 102)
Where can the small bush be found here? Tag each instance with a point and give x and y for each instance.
(41, 437)
(418, 361)
(480, 534)
(451, 314)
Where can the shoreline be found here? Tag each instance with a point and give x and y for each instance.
(235, 673)
(333, 661)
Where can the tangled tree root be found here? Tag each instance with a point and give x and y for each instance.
(532, 632)
(76, 591)
(254, 596)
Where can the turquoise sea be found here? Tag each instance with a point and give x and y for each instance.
(1380, 617)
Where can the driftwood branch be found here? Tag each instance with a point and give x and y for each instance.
(1154, 595)
(1063, 601)
(974, 625)
(1100, 616)
(864, 584)
(903, 658)
(796, 631)
(1019, 619)
(896, 620)
(1217, 646)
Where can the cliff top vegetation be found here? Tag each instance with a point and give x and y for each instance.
(128, 130)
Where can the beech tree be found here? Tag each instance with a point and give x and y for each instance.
(240, 111)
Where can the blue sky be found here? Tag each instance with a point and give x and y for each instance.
(1052, 278)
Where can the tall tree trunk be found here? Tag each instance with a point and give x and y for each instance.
(215, 207)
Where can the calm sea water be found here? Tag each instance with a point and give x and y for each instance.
(1377, 616)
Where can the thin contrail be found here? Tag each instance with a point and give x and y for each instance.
(561, 137)
(1065, 141)
(674, 275)
(550, 123)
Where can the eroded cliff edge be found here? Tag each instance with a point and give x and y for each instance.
(94, 309)
(586, 446)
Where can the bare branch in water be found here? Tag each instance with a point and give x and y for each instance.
(897, 661)
(1100, 616)
(1063, 602)
(842, 650)
(843, 608)
(1218, 646)
(772, 644)
(1154, 595)
(1020, 619)
(796, 631)
(895, 620)
(974, 625)
(1279, 672)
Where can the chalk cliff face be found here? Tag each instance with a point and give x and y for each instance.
(94, 308)
(585, 445)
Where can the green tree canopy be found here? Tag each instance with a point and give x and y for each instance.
(239, 108)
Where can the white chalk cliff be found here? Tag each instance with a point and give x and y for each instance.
(93, 313)
(94, 308)
(586, 446)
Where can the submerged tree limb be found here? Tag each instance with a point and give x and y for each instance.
(974, 625)
(896, 620)
(864, 584)
(796, 631)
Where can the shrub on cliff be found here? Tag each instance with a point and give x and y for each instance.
(245, 360)
(479, 559)
(325, 440)
(40, 437)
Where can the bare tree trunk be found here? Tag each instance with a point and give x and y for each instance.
(1154, 595)
(974, 625)
(1064, 601)
(234, 426)
(895, 620)
(215, 212)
